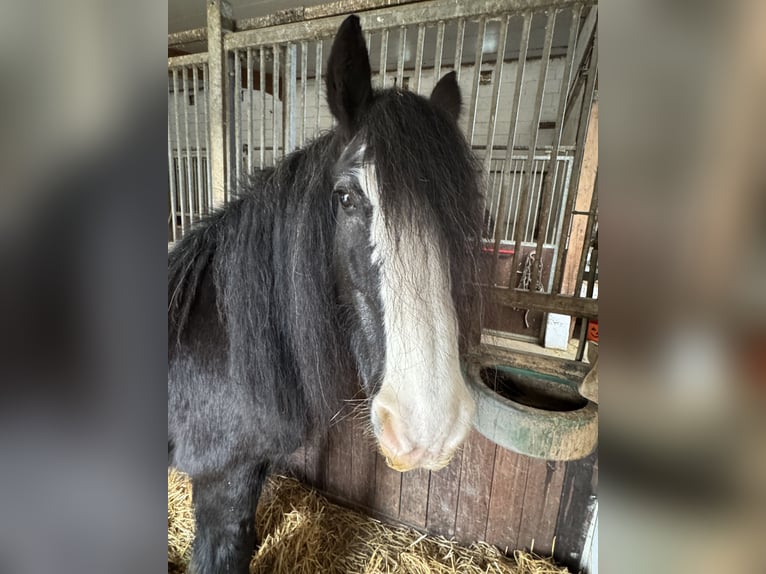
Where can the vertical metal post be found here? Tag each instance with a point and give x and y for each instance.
(318, 84)
(181, 183)
(275, 53)
(400, 63)
(419, 56)
(250, 115)
(438, 52)
(495, 102)
(288, 101)
(218, 21)
(197, 143)
(304, 78)
(458, 64)
(527, 188)
(383, 57)
(208, 165)
(547, 192)
(506, 196)
(187, 151)
(262, 90)
(476, 76)
(172, 177)
(236, 167)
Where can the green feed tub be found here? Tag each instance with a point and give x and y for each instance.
(532, 413)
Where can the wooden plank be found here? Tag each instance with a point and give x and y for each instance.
(443, 498)
(506, 500)
(475, 485)
(362, 487)
(574, 513)
(339, 451)
(551, 303)
(538, 516)
(388, 489)
(582, 203)
(413, 507)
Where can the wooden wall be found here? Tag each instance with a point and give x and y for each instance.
(486, 493)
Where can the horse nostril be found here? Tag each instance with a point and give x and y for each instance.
(391, 432)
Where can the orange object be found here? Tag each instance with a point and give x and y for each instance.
(593, 331)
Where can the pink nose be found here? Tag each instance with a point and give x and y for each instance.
(401, 452)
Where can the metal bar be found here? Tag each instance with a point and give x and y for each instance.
(275, 52)
(187, 147)
(250, 115)
(556, 240)
(383, 56)
(547, 192)
(526, 190)
(419, 56)
(200, 199)
(477, 56)
(593, 209)
(172, 174)
(427, 12)
(180, 181)
(187, 60)
(187, 36)
(237, 124)
(583, 41)
(508, 168)
(318, 82)
(533, 191)
(495, 102)
(304, 78)
(400, 63)
(262, 90)
(582, 131)
(458, 63)
(438, 51)
(217, 12)
(288, 102)
(493, 112)
(208, 168)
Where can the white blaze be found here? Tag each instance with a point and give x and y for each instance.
(422, 387)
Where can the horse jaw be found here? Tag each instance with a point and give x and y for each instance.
(423, 410)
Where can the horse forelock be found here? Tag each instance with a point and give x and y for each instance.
(429, 185)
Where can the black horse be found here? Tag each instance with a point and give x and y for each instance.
(354, 256)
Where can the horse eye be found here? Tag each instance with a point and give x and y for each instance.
(346, 201)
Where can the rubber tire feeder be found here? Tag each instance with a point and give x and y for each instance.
(562, 426)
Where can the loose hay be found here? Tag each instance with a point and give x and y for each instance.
(302, 533)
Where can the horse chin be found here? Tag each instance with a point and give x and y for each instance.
(401, 464)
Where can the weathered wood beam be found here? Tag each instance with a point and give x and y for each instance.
(567, 305)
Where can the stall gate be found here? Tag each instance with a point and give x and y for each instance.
(527, 70)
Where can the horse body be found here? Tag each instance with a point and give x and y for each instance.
(353, 256)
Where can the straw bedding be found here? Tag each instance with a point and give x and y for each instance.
(302, 533)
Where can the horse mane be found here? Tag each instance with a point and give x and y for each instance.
(268, 255)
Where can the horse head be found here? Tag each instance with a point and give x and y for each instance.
(408, 212)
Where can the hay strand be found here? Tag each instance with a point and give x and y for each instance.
(302, 533)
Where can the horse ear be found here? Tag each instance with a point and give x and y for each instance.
(349, 89)
(446, 95)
